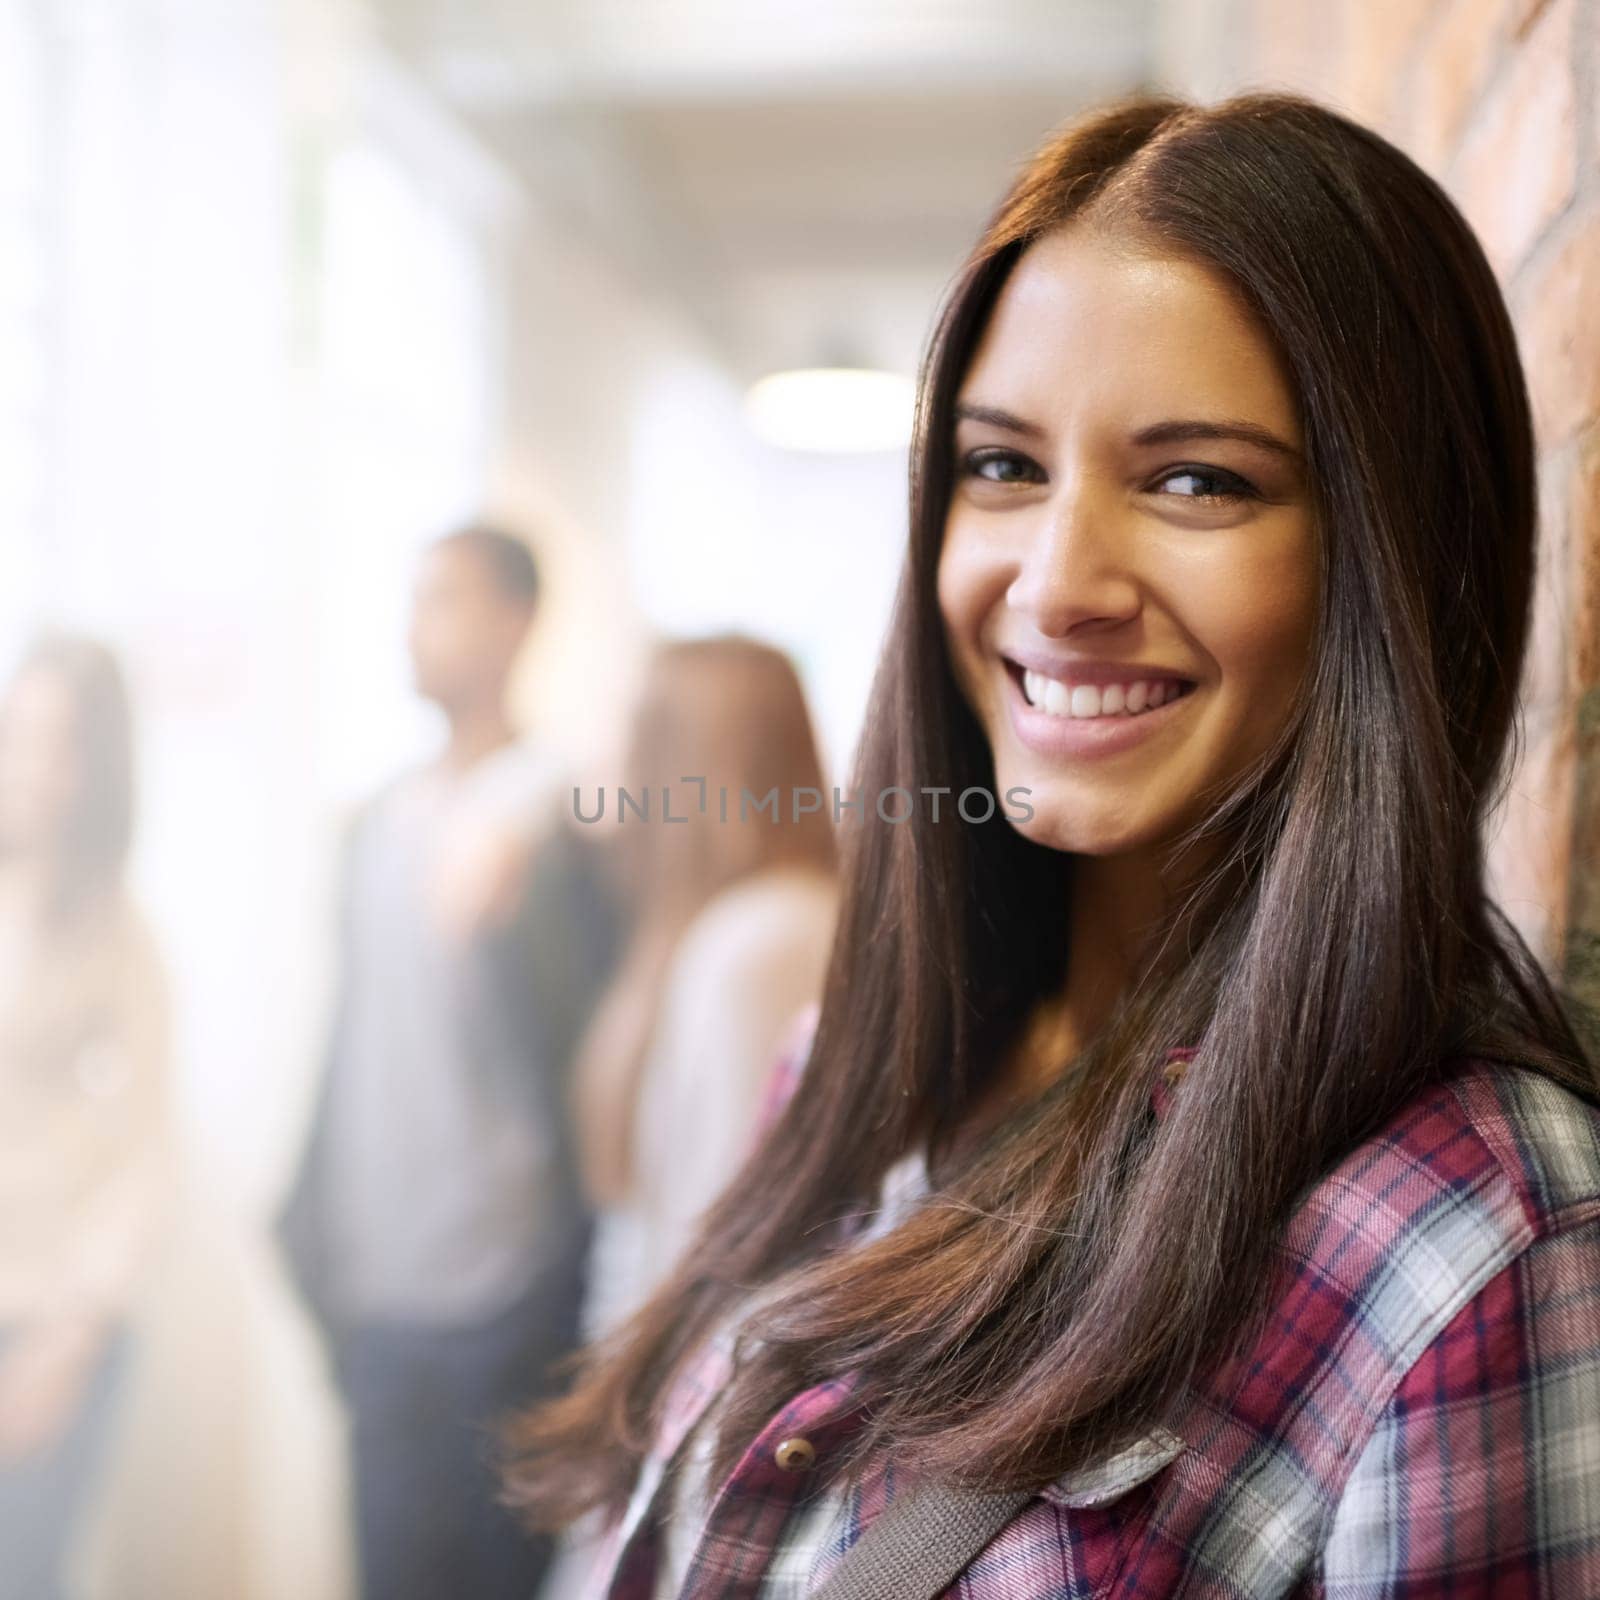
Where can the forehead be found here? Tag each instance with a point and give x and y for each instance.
(1084, 320)
(453, 567)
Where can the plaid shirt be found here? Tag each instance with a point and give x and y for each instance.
(1421, 1417)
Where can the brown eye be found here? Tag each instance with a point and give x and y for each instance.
(1012, 468)
(1213, 484)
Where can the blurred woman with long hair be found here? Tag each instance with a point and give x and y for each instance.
(1192, 1183)
(732, 916)
(84, 1155)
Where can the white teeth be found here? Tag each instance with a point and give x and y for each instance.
(1085, 700)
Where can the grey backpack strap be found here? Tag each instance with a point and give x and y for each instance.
(920, 1543)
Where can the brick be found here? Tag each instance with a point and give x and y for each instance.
(1559, 334)
(1530, 848)
(1524, 13)
(1583, 563)
(1452, 67)
(1378, 41)
(1583, 926)
(1549, 684)
(1295, 45)
(1518, 168)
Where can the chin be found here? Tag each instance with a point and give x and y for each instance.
(1061, 833)
(1059, 824)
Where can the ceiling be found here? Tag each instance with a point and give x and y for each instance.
(800, 179)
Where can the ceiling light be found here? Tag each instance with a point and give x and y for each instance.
(837, 409)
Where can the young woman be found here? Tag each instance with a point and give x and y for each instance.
(86, 1152)
(1193, 1184)
(731, 930)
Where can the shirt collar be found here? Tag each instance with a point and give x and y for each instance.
(712, 1369)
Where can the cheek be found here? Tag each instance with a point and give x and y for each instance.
(949, 588)
(964, 598)
(1261, 631)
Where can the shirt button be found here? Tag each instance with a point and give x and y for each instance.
(795, 1455)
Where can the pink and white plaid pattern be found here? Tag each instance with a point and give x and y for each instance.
(1420, 1418)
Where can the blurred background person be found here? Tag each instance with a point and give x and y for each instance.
(85, 1146)
(732, 924)
(437, 1229)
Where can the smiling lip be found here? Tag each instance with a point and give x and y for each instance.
(1048, 735)
(1072, 672)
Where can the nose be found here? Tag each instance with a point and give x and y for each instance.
(1075, 564)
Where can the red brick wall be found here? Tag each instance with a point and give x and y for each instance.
(1499, 100)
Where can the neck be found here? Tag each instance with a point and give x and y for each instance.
(476, 731)
(1117, 904)
(27, 883)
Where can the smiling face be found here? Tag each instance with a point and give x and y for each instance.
(1129, 601)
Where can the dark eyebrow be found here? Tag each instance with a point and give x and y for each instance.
(1170, 432)
(1245, 432)
(996, 417)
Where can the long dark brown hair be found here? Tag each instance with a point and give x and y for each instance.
(1078, 1270)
